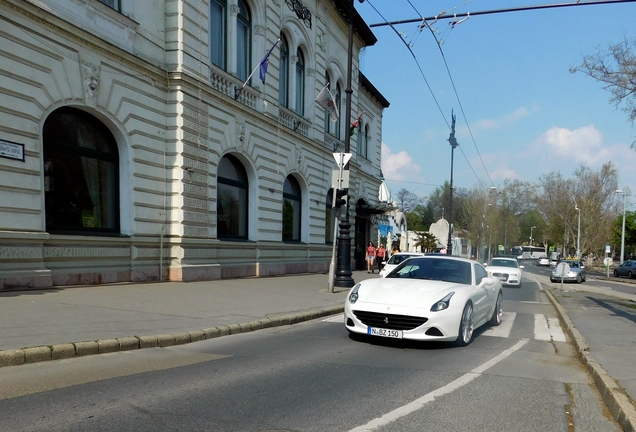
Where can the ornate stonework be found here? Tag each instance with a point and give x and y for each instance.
(90, 79)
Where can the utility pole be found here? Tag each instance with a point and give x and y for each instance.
(453, 142)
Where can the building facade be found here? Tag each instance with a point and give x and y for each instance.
(135, 146)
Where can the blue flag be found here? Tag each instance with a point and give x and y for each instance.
(265, 62)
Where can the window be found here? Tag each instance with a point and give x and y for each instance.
(338, 105)
(327, 119)
(81, 174)
(300, 83)
(291, 209)
(231, 207)
(115, 4)
(362, 149)
(217, 32)
(365, 145)
(243, 41)
(283, 93)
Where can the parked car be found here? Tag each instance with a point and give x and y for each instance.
(576, 274)
(543, 261)
(507, 270)
(426, 298)
(628, 268)
(395, 260)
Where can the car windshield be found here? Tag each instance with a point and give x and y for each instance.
(396, 259)
(502, 263)
(441, 269)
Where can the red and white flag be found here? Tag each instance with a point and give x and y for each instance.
(326, 100)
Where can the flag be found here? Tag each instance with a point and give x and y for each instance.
(325, 99)
(265, 62)
(354, 125)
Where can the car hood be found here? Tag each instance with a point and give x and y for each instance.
(409, 292)
(497, 269)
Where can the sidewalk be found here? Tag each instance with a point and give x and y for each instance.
(40, 325)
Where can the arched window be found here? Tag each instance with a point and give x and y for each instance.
(291, 209)
(338, 105)
(300, 83)
(327, 119)
(231, 207)
(218, 10)
(283, 92)
(81, 174)
(243, 41)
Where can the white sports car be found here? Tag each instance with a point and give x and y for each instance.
(426, 298)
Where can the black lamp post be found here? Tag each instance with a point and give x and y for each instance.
(453, 143)
(343, 268)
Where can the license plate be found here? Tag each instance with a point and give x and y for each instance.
(374, 331)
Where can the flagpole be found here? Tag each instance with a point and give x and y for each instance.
(239, 90)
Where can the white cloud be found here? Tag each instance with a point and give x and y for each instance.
(398, 166)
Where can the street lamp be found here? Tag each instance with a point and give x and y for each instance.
(484, 225)
(453, 142)
(531, 228)
(578, 234)
(623, 230)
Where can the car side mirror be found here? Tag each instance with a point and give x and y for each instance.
(487, 281)
(521, 267)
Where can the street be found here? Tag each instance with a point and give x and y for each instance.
(522, 375)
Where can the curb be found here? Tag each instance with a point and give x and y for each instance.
(36, 354)
(613, 395)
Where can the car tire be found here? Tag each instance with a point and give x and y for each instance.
(552, 280)
(497, 314)
(466, 326)
(615, 273)
(578, 279)
(629, 274)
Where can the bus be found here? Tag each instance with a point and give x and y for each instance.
(532, 252)
(518, 252)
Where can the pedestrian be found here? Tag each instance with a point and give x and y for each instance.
(395, 249)
(380, 255)
(370, 257)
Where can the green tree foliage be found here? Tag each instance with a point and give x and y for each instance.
(630, 232)
(426, 242)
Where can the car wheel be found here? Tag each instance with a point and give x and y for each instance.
(497, 314)
(552, 280)
(466, 326)
(578, 279)
(615, 273)
(629, 274)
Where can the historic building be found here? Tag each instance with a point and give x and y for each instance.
(131, 150)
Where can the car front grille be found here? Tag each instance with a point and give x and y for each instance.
(502, 276)
(389, 321)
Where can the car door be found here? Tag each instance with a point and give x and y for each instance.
(485, 295)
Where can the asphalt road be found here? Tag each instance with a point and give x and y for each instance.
(313, 376)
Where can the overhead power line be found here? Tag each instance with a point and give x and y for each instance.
(496, 11)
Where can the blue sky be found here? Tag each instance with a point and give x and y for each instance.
(527, 115)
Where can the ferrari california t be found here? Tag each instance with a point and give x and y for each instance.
(426, 298)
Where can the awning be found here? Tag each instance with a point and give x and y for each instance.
(369, 209)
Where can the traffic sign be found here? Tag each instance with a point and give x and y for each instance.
(340, 180)
(563, 269)
(342, 159)
(607, 261)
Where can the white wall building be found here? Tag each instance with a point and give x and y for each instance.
(125, 156)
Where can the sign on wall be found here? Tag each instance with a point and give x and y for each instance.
(11, 150)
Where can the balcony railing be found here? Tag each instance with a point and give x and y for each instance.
(228, 84)
(293, 121)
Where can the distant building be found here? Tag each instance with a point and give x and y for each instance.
(130, 150)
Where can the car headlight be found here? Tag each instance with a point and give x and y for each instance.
(443, 303)
(353, 296)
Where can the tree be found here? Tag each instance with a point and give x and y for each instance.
(407, 200)
(426, 241)
(616, 68)
(630, 232)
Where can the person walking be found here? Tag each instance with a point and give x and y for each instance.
(380, 255)
(370, 257)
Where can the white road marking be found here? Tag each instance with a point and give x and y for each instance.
(430, 397)
(555, 330)
(503, 329)
(548, 329)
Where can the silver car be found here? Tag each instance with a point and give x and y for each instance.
(576, 274)
(628, 268)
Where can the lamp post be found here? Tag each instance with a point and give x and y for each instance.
(531, 228)
(578, 234)
(623, 230)
(343, 269)
(453, 142)
(484, 224)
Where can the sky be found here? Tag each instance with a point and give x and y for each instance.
(519, 111)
